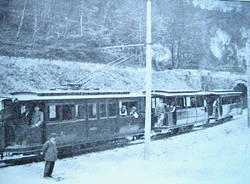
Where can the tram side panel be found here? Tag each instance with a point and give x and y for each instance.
(181, 111)
(231, 105)
(64, 120)
(130, 117)
(201, 110)
(191, 108)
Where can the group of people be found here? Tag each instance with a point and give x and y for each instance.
(162, 112)
(28, 121)
(133, 111)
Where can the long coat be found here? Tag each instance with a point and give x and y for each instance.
(50, 151)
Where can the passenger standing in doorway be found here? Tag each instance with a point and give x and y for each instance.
(37, 126)
(173, 112)
(216, 108)
(37, 117)
(50, 155)
(160, 112)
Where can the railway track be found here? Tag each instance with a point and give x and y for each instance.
(75, 151)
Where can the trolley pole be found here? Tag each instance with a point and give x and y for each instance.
(148, 83)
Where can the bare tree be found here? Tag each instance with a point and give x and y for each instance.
(21, 22)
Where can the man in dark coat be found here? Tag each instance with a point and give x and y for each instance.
(50, 155)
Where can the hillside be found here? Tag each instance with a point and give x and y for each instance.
(186, 34)
(22, 74)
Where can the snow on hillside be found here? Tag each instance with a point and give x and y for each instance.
(217, 5)
(218, 155)
(23, 74)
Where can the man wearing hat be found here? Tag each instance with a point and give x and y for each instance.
(50, 155)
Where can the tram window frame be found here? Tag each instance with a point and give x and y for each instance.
(200, 102)
(153, 102)
(180, 103)
(226, 100)
(56, 112)
(112, 109)
(93, 110)
(103, 114)
(80, 114)
(129, 104)
(67, 112)
(191, 101)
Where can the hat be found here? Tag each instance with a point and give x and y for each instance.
(52, 135)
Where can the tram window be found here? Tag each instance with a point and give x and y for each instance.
(191, 102)
(237, 99)
(67, 112)
(80, 112)
(126, 107)
(92, 110)
(23, 109)
(153, 102)
(179, 103)
(226, 100)
(103, 110)
(112, 109)
(53, 112)
(200, 101)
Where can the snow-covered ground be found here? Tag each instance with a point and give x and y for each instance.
(218, 155)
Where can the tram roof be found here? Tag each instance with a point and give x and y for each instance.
(193, 93)
(167, 94)
(226, 93)
(71, 95)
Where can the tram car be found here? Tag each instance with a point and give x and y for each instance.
(81, 119)
(224, 104)
(186, 109)
(77, 118)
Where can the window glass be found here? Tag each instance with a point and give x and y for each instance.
(188, 102)
(237, 99)
(226, 100)
(153, 102)
(200, 101)
(92, 110)
(23, 109)
(103, 110)
(67, 112)
(53, 112)
(112, 109)
(179, 103)
(193, 101)
(80, 112)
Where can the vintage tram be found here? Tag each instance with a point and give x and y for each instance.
(81, 119)
(195, 108)
(77, 118)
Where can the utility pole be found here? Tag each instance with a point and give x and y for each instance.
(248, 92)
(148, 82)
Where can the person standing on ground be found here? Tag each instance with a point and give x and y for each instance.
(50, 155)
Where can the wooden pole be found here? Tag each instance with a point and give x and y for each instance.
(148, 82)
(248, 93)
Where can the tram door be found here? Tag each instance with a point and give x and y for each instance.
(2, 134)
(171, 112)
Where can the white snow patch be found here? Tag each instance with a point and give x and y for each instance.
(217, 5)
(244, 53)
(160, 53)
(218, 43)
